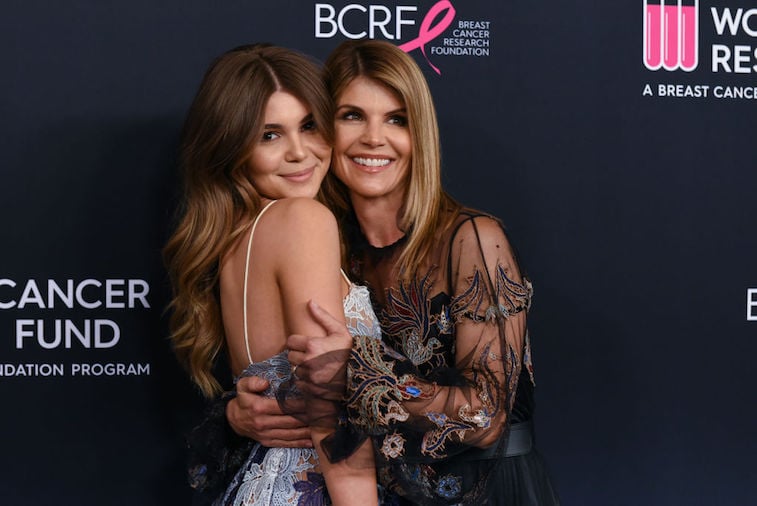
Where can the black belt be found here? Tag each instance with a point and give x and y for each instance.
(519, 442)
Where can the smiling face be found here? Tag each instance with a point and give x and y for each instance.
(290, 159)
(373, 147)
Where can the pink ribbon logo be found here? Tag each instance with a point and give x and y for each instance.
(428, 32)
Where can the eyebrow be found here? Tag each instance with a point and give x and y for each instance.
(389, 113)
(274, 126)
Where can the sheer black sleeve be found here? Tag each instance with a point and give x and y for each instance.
(427, 415)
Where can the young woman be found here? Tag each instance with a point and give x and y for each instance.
(253, 246)
(448, 400)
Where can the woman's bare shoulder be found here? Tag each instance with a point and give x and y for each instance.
(293, 222)
(301, 212)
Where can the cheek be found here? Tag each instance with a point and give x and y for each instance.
(343, 138)
(406, 145)
(337, 168)
(262, 162)
(321, 149)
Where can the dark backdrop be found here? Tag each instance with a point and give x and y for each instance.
(634, 212)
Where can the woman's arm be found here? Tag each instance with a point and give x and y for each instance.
(487, 316)
(489, 308)
(308, 268)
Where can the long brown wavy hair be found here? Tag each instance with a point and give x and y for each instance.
(426, 203)
(223, 123)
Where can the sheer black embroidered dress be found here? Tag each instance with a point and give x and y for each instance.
(447, 396)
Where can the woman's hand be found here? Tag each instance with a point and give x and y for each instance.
(260, 418)
(304, 348)
(319, 367)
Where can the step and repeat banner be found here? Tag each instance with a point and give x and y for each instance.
(616, 140)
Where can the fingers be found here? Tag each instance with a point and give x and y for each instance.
(257, 405)
(250, 415)
(289, 423)
(325, 319)
(291, 435)
(285, 443)
(283, 431)
(297, 343)
(302, 347)
(237, 419)
(251, 384)
(273, 423)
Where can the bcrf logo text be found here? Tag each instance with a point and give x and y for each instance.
(356, 21)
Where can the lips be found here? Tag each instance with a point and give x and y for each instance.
(300, 176)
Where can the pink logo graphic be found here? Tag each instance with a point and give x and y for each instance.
(671, 34)
(429, 32)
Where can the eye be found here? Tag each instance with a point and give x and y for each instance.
(350, 115)
(269, 135)
(309, 126)
(398, 120)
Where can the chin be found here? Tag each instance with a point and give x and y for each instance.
(311, 193)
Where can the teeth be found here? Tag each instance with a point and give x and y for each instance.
(372, 162)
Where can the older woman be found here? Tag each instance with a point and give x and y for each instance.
(448, 396)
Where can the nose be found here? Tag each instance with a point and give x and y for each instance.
(296, 148)
(373, 134)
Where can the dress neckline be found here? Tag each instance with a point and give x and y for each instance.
(389, 247)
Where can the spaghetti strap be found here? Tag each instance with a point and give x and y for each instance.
(346, 279)
(246, 274)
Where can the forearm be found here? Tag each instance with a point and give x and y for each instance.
(352, 480)
(383, 395)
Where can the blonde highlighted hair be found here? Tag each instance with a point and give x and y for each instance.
(426, 204)
(224, 122)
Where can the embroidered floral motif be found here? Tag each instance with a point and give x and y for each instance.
(359, 315)
(480, 417)
(271, 479)
(514, 297)
(449, 486)
(394, 412)
(394, 446)
(312, 490)
(493, 311)
(198, 476)
(374, 394)
(416, 350)
(527, 361)
(486, 381)
(438, 418)
(406, 319)
(412, 389)
(422, 475)
(443, 321)
(276, 370)
(434, 441)
(468, 302)
(511, 297)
